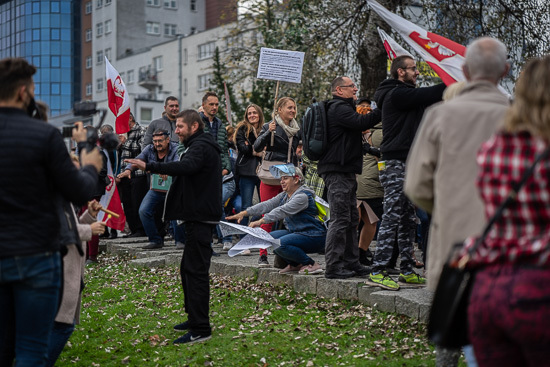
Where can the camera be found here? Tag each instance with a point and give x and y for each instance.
(67, 131)
(368, 149)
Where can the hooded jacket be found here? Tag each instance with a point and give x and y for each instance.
(344, 151)
(402, 106)
(196, 190)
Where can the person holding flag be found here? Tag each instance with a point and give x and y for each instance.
(402, 106)
(119, 103)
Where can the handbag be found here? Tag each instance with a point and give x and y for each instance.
(448, 319)
(263, 168)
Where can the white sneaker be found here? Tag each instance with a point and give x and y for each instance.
(227, 246)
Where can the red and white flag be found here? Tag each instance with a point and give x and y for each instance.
(446, 57)
(111, 200)
(393, 48)
(119, 103)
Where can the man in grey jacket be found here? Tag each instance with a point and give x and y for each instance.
(442, 168)
(166, 122)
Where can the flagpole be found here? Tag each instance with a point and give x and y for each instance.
(274, 106)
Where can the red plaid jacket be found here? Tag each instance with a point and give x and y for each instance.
(522, 235)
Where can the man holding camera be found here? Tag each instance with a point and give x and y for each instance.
(36, 170)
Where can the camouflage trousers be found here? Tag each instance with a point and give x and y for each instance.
(399, 219)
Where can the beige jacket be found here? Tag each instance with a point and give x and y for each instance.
(73, 274)
(368, 182)
(442, 168)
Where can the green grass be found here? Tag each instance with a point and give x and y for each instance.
(128, 314)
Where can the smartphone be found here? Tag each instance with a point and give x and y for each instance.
(67, 131)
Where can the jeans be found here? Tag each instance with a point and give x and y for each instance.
(58, 338)
(295, 246)
(150, 203)
(247, 184)
(29, 294)
(132, 191)
(228, 188)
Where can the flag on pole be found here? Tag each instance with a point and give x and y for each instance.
(446, 57)
(111, 200)
(393, 48)
(227, 105)
(119, 103)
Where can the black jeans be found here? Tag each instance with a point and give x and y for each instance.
(132, 191)
(195, 280)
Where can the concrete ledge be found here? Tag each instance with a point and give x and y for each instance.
(384, 300)
(327, 288)
(348, 289)
(150, 262)
(306, 283)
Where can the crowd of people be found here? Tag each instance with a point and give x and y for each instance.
(418, 156)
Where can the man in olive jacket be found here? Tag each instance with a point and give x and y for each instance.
(338, 166)
(195, 197)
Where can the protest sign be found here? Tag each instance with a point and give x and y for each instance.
(280, 65)
(256, 238)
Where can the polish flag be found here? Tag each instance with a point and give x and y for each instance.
(443, 55)
(111, 200)
(393, 48)
(119, 103)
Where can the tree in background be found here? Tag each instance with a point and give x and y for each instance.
(221, 75)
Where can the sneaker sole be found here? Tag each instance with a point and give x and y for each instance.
(318, 271)
(370, 282)
(199, 340)
(412, 285)
(264, 266)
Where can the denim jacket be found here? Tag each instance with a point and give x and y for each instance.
(299, 212)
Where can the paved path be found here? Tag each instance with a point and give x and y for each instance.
(409, 300)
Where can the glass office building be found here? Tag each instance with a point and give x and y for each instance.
(47, 34)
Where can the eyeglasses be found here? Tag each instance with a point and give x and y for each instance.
(413, 68)
(348, 86)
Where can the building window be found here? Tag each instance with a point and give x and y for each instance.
(193, 5)
(185, 87)
(153, 28)
(170, 29)
(157, 62)
(153, 2)
(206, 50)
(172, 4)
(204, 81)
(99, 3)
(88, 34)
(99, 58)
(108, 26)
(99, 29)
(146, 114)
(88, 62)
(122, 75)
(89, 7)
(108, 2)
(108, 54)
(89, 89)
(130, 76)
(99, 85)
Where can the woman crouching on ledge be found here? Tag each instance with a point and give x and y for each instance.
(305, 232)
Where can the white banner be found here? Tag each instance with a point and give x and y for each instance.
(285, 66)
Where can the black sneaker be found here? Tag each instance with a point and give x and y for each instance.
(181, 327)
(262, 262)
(360, 270)
(339, 274)
(191, 339)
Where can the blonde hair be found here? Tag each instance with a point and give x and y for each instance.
(280, 104)
(247, 124)
(531, 108)
(453, 90)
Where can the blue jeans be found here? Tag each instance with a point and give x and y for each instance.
(247, 184)
(58, 338)
(29, 293)
(228, 188)
(152, 201)
(294, 247)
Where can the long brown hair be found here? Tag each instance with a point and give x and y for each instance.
(246, 123)
(531, 108)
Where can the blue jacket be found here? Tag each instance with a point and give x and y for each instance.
(149, 154)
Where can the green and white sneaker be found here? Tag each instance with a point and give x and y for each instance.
(411, 278)
(383, 280)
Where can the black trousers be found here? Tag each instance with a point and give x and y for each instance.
(195, 279)
(131, 193)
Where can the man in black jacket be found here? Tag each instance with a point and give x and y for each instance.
(338, 166)
(36, 170)
(402, 106)
(195, 197)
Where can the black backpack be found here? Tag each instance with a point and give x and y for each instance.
(314, 130)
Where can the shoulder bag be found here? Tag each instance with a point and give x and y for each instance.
(448, 319)
(263, 169)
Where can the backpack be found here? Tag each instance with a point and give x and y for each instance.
(314, 130)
